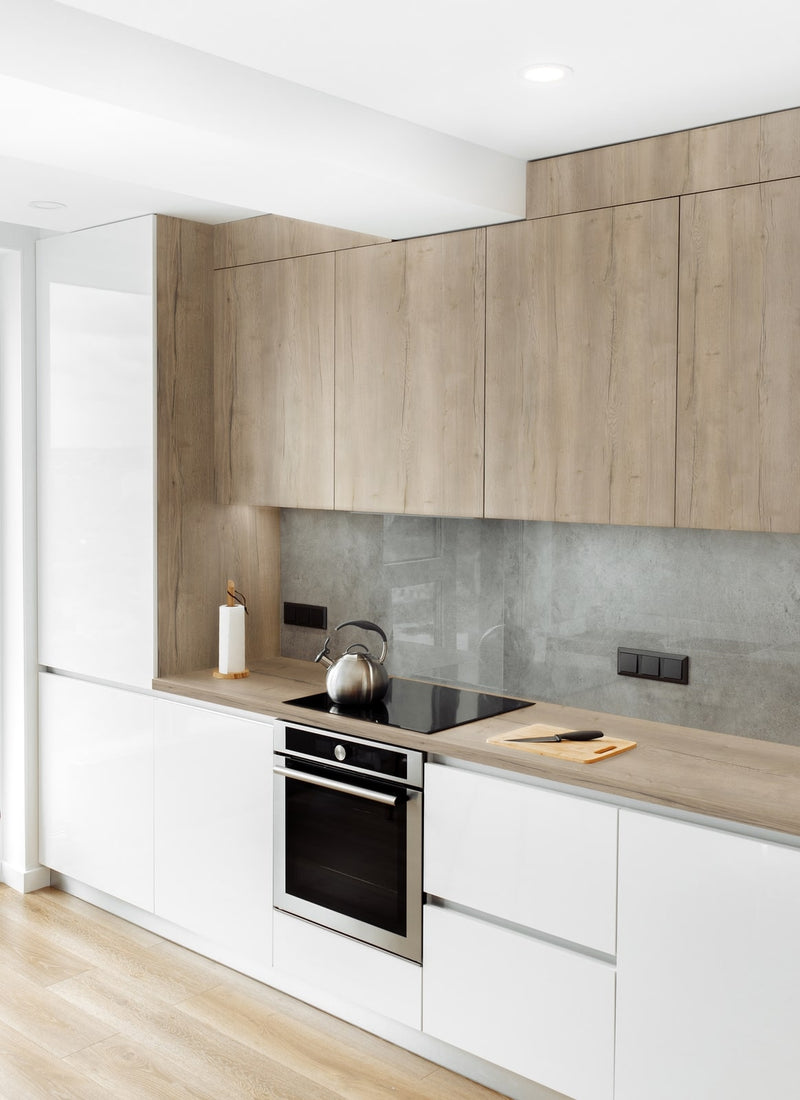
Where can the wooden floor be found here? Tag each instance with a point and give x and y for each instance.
(92, 1007)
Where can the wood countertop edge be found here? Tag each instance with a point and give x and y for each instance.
(723, 776)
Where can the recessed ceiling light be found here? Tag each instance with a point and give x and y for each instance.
(47, 204)
(547, 72)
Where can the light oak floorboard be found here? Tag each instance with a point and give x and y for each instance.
(92, 1007)
(29, 1072)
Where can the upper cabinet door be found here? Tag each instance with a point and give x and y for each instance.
(580, 366)
(274, 383)
(409, 376)
(96, 370)
(739, 363)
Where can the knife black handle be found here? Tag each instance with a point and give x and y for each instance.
(580, 735)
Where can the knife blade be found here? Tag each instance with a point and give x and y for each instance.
(572, 735)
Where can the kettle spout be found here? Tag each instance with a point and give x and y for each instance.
(322, 657)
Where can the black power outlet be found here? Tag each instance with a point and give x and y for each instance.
(305, 614)
(648, 664)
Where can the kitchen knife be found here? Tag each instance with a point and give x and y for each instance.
(572, 735)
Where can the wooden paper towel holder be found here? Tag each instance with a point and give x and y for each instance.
(232, 599)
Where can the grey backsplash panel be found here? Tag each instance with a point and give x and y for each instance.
(538, 610)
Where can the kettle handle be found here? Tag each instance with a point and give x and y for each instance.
(364, 625)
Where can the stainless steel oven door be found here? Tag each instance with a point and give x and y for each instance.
(348, 853)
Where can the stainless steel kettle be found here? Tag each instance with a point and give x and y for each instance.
(357, 678)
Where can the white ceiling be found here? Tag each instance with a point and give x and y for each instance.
(397, 120)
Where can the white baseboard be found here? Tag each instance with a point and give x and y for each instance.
(24, 882)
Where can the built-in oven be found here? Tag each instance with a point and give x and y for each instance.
(348, 835)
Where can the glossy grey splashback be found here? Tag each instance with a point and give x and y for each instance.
(538, 609)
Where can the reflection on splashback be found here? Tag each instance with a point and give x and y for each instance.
(538, 610)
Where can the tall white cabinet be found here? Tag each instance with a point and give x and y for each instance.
(96, 370)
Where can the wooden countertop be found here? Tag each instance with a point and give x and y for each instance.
(737, 779)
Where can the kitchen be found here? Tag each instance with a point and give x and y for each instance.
(556, 598)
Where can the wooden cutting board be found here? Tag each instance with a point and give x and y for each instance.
(580, 752)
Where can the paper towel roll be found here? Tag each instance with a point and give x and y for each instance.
(231, 639)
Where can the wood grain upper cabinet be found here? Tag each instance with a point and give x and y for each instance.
(409, 376)
(274, 383)
(739, 363)
(580, 366)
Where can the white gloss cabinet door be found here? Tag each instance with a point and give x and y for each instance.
(96, 786)
(213, 827)
(708, 964)
(96, 370)
(534, 1008)
(538, 858)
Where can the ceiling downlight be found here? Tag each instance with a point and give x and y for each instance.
(547, 72)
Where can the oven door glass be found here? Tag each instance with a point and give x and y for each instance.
(343, 859)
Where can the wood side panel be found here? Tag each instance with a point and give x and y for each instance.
(274, 382)
(272, 237)
(410, 320)
(185, 474)
(727, 154)
(739, 366)
(580, 367)
(199, 544)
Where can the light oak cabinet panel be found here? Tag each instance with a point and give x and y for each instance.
(274, 383)
(739, 364)
(409, 376)
(272, 237)
(707, 968)
(580, 366)
(727, 154)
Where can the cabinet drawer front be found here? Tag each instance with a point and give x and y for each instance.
(539, 1010)
(332, 965)
(543, 860)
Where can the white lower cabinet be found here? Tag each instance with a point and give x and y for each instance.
(708, 964)
(96, 786)
(536, 857)
(525, 977)
(340, 967)
(213, 827)
(535, 1008)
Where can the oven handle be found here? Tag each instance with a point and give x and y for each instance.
(335, 785)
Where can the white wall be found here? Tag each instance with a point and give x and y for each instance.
(19, 866)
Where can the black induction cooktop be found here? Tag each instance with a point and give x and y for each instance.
(415, 705)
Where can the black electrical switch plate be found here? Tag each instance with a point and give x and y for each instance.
(305, 614)
(627, 662)
(647, 664)
(675, 669)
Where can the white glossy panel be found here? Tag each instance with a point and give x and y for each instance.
(543, 860)
(348, 970)
(96, 786)
(542, 1011)
(96, 368)
(709, 971)
(213, 826)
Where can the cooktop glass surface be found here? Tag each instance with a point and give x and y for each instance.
(414, 705)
